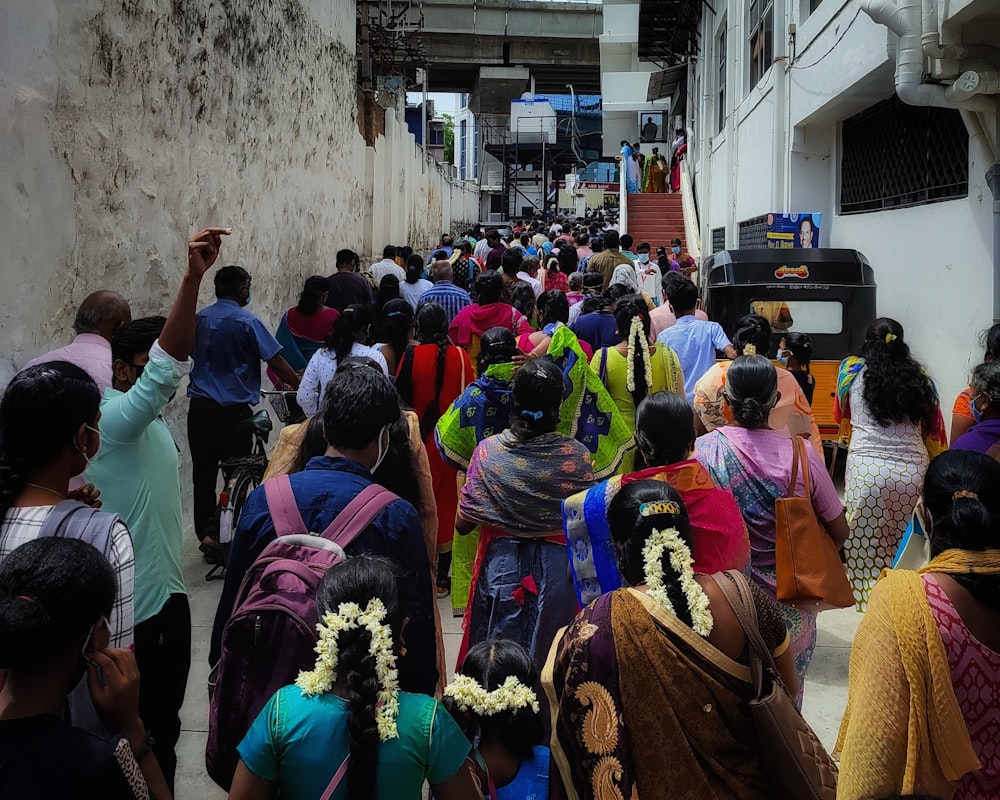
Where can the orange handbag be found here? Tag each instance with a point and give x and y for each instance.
(810, 574)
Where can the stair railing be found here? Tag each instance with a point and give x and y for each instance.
(692, 229)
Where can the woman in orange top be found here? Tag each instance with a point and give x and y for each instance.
(429, 379)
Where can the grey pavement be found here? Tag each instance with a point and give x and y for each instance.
(825, 693)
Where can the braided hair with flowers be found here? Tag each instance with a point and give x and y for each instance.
(634, 325)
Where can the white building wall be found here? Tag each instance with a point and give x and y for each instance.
(932, 262)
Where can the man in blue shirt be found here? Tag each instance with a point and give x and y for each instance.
(361, 408)
(136, 470)
(694, 340)
(230, 343)
(445, 293)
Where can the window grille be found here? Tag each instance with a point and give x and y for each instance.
(720, 124)
(753, 233)
(718, 239)
(761, 39)
(896, 155)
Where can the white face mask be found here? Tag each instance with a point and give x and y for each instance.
(383, 451)
(93, 455)
(643, 258)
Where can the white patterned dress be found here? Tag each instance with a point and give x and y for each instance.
(884, 475)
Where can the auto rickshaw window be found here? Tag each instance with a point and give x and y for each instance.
(808, 316)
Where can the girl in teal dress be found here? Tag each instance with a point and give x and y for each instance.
(344, 731)
(494, 700)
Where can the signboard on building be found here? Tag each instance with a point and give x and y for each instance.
(785, 231)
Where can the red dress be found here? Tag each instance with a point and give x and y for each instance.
(458, 374)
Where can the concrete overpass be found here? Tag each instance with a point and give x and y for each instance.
(491, 48)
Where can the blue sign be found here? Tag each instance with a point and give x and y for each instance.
(785, 231)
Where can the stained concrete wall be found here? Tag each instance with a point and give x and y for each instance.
(126, 125)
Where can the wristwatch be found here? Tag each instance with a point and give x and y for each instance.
(146, 749)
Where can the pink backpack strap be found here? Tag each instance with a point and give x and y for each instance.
(358, 514)
(282, 507)
(337, 778)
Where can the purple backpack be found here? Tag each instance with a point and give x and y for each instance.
(272, 632)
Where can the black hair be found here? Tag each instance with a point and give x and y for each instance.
(682, 294)
(404, 252)
(396, 471)
(347, 257)
(751, 390)
(52, 591)
(627, 309)
(675, 242)
(538, 394)
(800, 346)
(313, 443)
(496, 346)
(962, 496)
(389, 251)
(490, 664)
(358, 403)
(311, 299)
(511, 260)
(388, 289)
(630, 530)
(986, 380)
(611, 239)
(395, 321)
(137, 337)
(360, 580)
(553, 307)
(626, 241)
(597, 244)
(352, 321)
(229, 281)
(896, 387)
(40, 414)
(489, 287)
(432, 328)
(464, 246)
(439, 255)
(752, 329)
(664, 429)
(990, 339)
(522, 297)
(569, 260)
(414, 268)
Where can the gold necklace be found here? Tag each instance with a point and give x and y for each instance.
(60, 495)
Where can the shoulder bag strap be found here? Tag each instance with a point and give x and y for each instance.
(737, 593)
(803, 454)
(281, 505)
(358, 515)
(336, 779)
(795, 467)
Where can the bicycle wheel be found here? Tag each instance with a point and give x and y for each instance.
(243, 475)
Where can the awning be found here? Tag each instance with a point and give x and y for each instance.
(665, 82)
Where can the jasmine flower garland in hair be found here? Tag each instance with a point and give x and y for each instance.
(682, 563)
(469, 695)
(321, 678)
(636, 331)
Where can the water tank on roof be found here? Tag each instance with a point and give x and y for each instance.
(532, 119)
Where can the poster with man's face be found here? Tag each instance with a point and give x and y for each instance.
(785, 231)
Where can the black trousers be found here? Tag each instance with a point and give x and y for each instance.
(212, 437)
(163, 654)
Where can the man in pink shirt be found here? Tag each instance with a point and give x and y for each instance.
(662, 317)
(99, 316)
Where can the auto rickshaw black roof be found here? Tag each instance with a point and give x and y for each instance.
(790, 267)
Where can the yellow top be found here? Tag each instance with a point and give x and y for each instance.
(903, 730)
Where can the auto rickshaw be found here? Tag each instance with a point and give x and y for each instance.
(825, 292)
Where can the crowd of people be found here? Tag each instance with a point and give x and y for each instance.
(545, 428)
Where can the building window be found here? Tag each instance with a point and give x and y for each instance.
(813, 5)
(896, 155)
(753, 233)
(718, 239)
(462, 149)
(475, 149)
(720, 95)
(761, 29)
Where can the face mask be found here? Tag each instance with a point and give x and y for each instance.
(643, 258)
(675, 250)
(781, 359)
(977, 415)
(247, 301)
(382, 452)
(93, 455)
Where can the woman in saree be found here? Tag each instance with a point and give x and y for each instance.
(665, 438)
(430, 377)
(304, 328)
(753, 461)
(963, 413)
(629, 168)
(514, 490)
(922, 707)
(896, 427)
(484, 409)
(649, 687)
(792, 412)
(487, 312)
(655, 174)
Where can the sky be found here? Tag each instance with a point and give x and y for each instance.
(444, 102)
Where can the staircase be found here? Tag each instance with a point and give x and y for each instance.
(656, 218)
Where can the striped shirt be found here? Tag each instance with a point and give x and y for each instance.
(447, 295)
(21, 525)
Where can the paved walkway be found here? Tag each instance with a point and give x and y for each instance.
(825, 696)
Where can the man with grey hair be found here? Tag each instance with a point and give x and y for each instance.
(529, 272)
(99, 316)
(445, 293)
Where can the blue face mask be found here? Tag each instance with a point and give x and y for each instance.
(247, 301)
(977, 415)
(781, 359)
(675, 250)
(643, 258)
